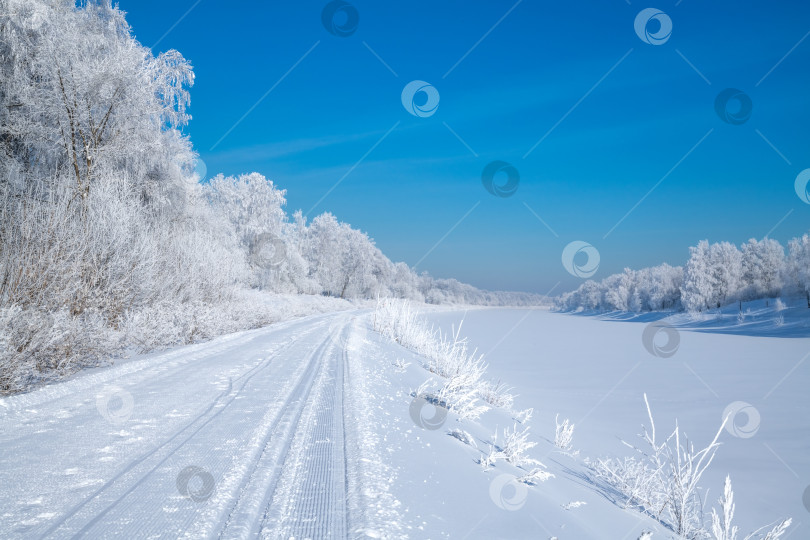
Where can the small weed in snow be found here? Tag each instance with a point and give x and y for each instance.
(564, 435)
(497, 394)
(513, 450)
(722, 528)
(463, 436)
(489, 460)
(400, 364)
(574, 504)
(535, 476)
(523, 417)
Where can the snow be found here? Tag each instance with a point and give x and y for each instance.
(595, 369)
(305, 429)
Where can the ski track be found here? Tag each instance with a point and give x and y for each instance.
(261, 412)
(311, 499)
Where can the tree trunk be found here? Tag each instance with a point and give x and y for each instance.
(343, 291)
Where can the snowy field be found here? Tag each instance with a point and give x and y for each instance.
(595, 370)
(307, 429)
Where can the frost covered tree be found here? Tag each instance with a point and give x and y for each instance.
(344, 261)
(697, 290)
(81, 99)
(251, 202)
(92, 163)
(617, 291)
(254, 208)
(712, 275)
(648, 289)
(405, 283)
(798, 265)
(658, 288)
(762, 268)
(100, 218)
(715, 275)
(725, 267)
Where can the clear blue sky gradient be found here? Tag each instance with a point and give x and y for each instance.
(509, 91)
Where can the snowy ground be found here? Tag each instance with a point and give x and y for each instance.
(594, 370)
(305, 429)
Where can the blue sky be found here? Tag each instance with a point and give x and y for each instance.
(615, 114)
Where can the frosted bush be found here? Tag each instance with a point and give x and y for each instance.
(535, 476)
(524, 416)
(663, 480)
(497, 395)
(463, 436)
(563, 434)
(514, 450)
(464, 389)
(515, 446)
(38, 346)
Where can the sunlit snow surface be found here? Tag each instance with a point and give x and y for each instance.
(304, 429)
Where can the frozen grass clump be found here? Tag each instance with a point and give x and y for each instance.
(446, 355)
(663, 480)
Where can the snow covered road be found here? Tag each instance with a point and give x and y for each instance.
(241, 436)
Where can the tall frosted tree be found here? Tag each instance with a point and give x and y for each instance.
(82, 99)
(697, 289)
(725, 267)
(798, 265)
(762, 268)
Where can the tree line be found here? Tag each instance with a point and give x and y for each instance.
(715, 275)
(108, 237)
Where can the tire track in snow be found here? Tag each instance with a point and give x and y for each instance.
(260, 492)
(216, 407)
(311, 498)
(272, 431)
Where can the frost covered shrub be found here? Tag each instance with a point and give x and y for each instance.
(515, 445)
(458, 394)
(514, 449)
(663, 478)
(445, 355)
(563, 434)
(797, 268)
(166, 324)
(497, 395)
(37, 345)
